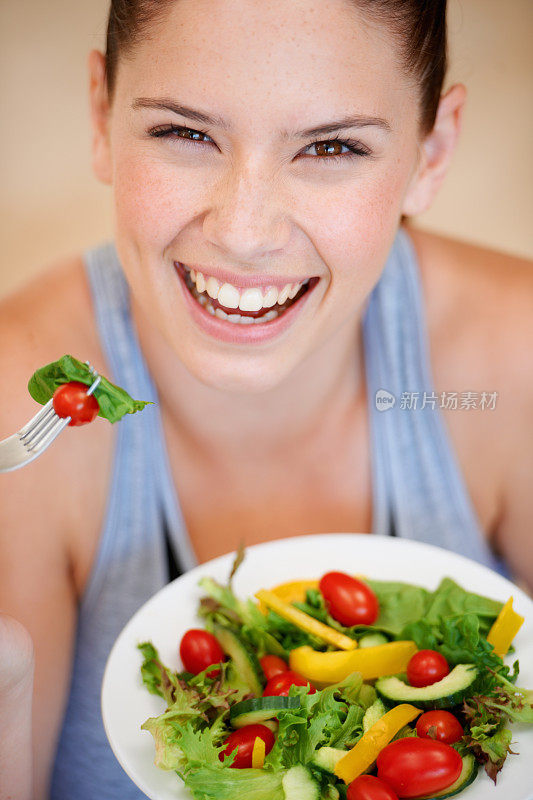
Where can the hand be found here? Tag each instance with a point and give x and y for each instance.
(16, 686)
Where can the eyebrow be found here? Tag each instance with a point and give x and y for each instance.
(351, 121)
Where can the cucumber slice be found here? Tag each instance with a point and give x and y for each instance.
(244, 658)
(448, 692)
(467, 776)
(373, 713)
(253, 712)
(299, 784)
(372, 640)
(272, 724)
(326, 758)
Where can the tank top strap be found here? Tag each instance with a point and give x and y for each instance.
(141, 448)
(416, 476)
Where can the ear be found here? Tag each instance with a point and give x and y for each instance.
(436, 151)
(100, 115)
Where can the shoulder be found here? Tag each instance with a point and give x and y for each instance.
(48, 317)
(479, 306)
(479, 311)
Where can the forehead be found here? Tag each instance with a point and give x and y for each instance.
(242, 59)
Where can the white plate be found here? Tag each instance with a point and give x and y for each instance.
(126, 704)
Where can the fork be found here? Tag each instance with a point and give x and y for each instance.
(38, 434)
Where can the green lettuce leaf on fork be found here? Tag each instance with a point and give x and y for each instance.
(114, 402)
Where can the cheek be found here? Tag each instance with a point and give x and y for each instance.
(153, 199)
(356, 225)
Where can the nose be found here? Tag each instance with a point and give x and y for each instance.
(247, 218)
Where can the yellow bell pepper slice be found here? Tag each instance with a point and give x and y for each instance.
(364, 753)
(291, 592)
(372, 662)
(306, 622)
(258, 753)
(505, 627)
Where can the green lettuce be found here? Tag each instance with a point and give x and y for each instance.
(210, 783)
(198, 703)
(332, 717)
(114, 402)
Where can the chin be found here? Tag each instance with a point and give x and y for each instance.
(234, 377)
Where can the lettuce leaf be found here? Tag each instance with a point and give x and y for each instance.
(210, 783)
(332, 717)
(199, 704)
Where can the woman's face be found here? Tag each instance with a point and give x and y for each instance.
(251, 197)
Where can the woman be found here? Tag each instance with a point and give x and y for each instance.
(262, 157)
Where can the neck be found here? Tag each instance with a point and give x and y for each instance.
(320, 391)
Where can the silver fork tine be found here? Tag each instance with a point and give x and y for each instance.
(35, 438)
(45, 411)
(59, 424)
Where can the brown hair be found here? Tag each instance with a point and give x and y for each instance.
(418, 25)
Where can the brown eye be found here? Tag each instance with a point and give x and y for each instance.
(188, 133)
(333, 148)
(335, 151)
(178, 132)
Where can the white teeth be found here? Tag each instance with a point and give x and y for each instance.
(200, 282)
(229, 296)
(251, 300)
(295, 288)
(212, 287)
(271, 297)
(284, 294)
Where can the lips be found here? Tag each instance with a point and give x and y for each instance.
(236, 326)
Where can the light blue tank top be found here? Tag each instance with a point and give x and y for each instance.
(418, 492)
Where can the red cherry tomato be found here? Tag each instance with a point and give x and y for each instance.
(272, 666)
(243, 739)
(71, 400)
(441, 726)
(426, 667)
(368, 787)
(415, 767)
(349, 601)
(279, 685)
(198, 650)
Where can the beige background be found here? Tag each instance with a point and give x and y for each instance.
(50, 204)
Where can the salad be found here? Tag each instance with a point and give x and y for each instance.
(343, 687)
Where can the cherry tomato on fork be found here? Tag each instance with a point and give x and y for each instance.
(426, 667)
(349, 601)
(368, 787)
(439, 725)
(198, 650)
(272, 666)
(71, 400)
(279, 685)
(243, 740)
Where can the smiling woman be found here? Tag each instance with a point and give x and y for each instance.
(263, 291)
